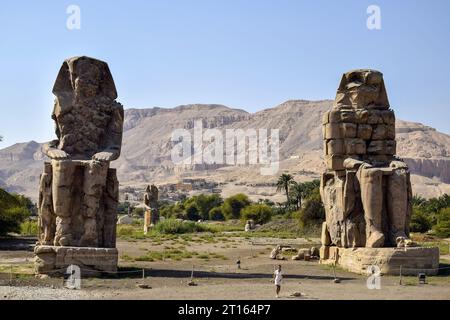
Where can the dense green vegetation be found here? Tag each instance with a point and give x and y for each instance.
(305, 206)
(14, 209)
(431, 215)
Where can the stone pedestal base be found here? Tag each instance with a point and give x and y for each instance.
(412, 261)
(52, 260)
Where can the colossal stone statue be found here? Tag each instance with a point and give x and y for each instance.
(366, 188)
(78, 193)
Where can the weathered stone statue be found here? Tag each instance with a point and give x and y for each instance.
(78, 191)
(366, 189)
(151, 205)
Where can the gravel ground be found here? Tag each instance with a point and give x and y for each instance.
(42, 293)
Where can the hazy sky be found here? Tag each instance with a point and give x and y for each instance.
(245, 54)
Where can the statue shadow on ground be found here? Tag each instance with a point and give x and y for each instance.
(444, 270)
(17, 243)
(168, 273)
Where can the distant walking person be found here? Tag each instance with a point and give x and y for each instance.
(277, 277)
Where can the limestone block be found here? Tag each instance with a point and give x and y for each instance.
(388, 117)
(355, 146)
(379, 132)
(54, 260)
(335, 116)
(126, 219)
(362, 116)
(374, 117)
(348, 116)
(325, 236)
(390, 132)
(377, 147)
(334, 131)
(413, 260)
(378, 159)
(314, 252)
(325, 118)
(324, 253)
(325, 147)
(335, 147)
(339, 116)
(391, 147)
(349, 130)
(364, 131)
(335, 162)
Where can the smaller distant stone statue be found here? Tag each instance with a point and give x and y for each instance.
(274, 255)
(249, 225)
(151, 205)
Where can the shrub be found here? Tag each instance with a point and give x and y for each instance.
(260, 213)
(172, 226)
(29, 228)
(420, 221)
(313, 213)
(192, 212)
(216, 214)
(13, 211)
(442, 228)
(233, 205)
(139, 212)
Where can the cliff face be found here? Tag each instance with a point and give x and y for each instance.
(431, 168)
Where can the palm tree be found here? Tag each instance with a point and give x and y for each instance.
(283, 184)
(303, 190)
(297, 192)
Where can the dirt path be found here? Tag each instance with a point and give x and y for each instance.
(216, 276)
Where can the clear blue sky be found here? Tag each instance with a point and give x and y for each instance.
(242, 53)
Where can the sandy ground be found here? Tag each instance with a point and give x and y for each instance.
(215, 278)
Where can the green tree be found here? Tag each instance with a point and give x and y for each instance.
(302, 190)
(420, 221)
(233, 205)
(260, 213)
(192, 211)
(283, 183)
(13, 212)
(216, 214)
(442, 228)
(313, 212)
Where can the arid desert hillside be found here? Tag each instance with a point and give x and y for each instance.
(146, 152)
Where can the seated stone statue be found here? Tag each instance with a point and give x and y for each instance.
(366, 190)
(151, 203)
(79, 192)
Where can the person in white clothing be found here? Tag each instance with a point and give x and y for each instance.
(277, 277)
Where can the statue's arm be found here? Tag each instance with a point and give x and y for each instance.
(396, 164)
(113, 136)
(50, 149)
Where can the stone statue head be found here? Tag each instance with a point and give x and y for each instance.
(83, 78)
(361, 89)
